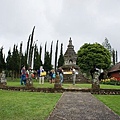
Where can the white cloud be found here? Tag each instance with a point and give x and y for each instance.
(83, 20)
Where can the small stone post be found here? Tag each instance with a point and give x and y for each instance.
(95, 80)
(57, 82)
(3, 81)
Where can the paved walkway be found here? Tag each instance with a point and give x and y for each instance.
(81, 106)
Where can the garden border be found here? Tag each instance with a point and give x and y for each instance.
(61, 90)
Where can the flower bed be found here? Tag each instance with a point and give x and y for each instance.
(111, 81)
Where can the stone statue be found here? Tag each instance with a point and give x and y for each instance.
(3, 80)
(95, 73)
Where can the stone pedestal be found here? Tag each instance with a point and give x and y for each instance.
(57, 82)
(3, 81)
(95, 86)
(29, 83)
(3, 84)
(95, 81)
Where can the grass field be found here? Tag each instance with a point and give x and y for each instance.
(16, 105)
(26, 105)
(112, 101)
(65, 85)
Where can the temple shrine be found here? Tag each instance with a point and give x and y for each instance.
(70, 58)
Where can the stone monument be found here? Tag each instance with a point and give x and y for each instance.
(3, 81)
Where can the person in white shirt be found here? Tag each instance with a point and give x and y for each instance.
(74, 75)
(41, 78)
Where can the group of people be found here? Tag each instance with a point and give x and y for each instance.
(52, 75)
(28, 75)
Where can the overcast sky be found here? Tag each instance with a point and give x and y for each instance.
(85, 21)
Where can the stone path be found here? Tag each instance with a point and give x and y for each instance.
(81, 106)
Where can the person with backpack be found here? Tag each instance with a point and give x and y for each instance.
(60, 72)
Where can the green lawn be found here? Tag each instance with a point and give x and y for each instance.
(112, 101)
(26, 105)
(65, 85)
(16, 82)
(36, 105)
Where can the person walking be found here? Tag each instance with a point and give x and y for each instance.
(74, 75)
(41, 78)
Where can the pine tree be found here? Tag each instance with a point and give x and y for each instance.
(61, 57)
(107, 45)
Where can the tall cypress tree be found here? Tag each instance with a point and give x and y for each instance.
(9, 61)
(37, 62)
(2, 60)
(113, 55)
(31, 48)
(28, 46)
(116, 56)
(61, 57)
(56, 53)
(47, 66)
(45, 51)
(51, 53)
(20, 54)
(15, 61)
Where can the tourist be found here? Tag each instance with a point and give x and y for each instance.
(41, 77)
(23, 75)
(74, 75)
(53, 76)
(60, 72)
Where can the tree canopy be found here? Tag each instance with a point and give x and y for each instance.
(93, 54)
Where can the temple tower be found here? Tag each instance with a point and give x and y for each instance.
(70, 55)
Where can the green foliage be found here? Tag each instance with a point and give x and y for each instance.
(15, 60)
(61, 57)
(47, 66)
(93, 54)
(9, 61)
(37, 60)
